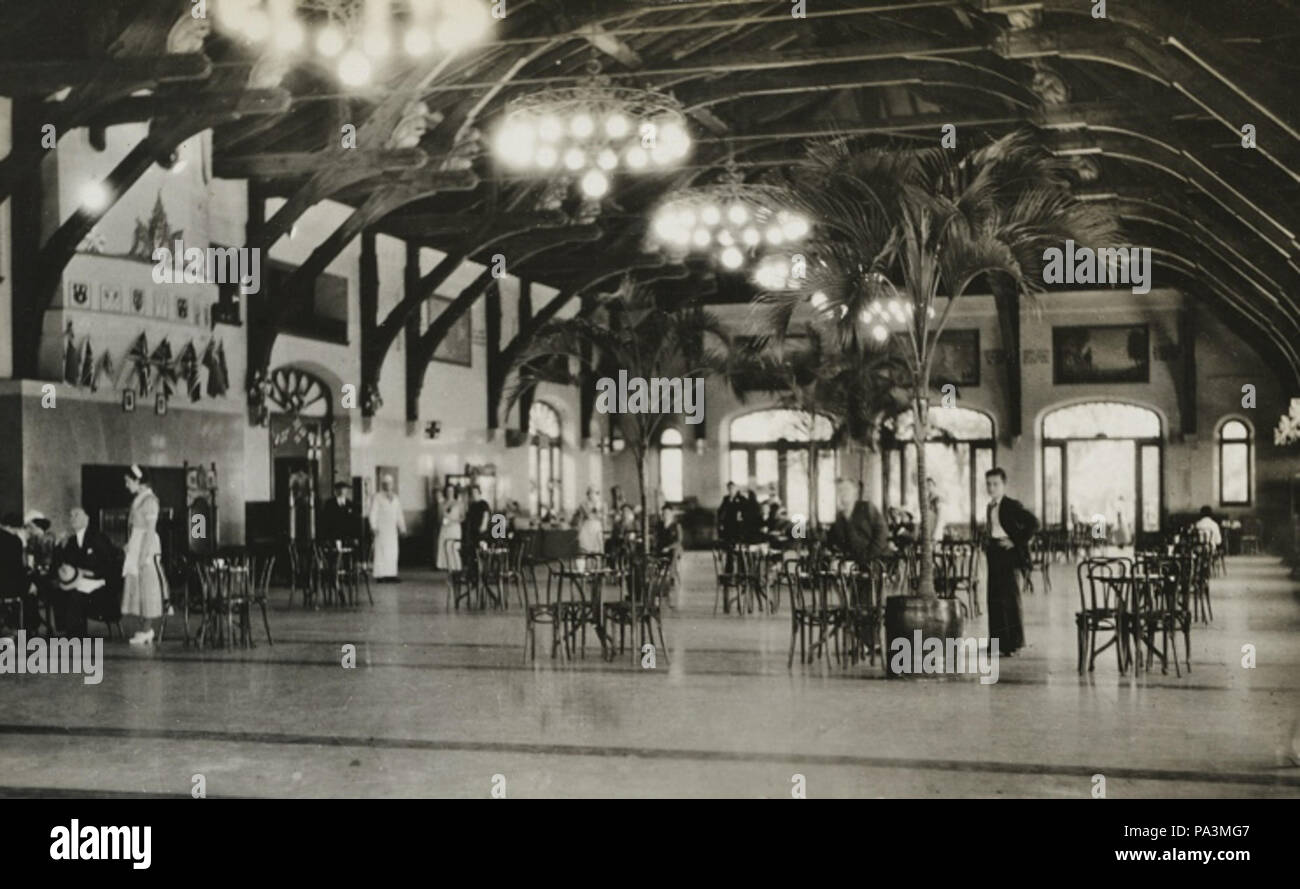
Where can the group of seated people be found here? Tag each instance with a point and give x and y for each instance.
(743, 519)
(75, 579)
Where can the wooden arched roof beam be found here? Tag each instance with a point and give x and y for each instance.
(420, 352)
(134, 60)
(1137, 53)
(1248, 296)
(1174, 25)
(1254, 210)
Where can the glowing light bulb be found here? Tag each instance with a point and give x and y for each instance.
(774, 235)
(607, 159)
(289, 36)
(738, 214)
(879, 333)
(795, 227)
(688, 218)
(818, 300)
(574, 159)
(751, 237)
(417, 42)
(637, 158)
(94, 196)
(582, 125)
(329, 42)
(594, 184)
(732, 257)
(354, 68)
(617, 126)
(710, 215)
(257, 25)
(725, 238)
(547, 157)
(701, 237)
(549, 128)
(665, 226)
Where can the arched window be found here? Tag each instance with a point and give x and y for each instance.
(1234, 464)
(772, 448)
(545, 458)
(1102, 463)
(670, 465)
(958, 451)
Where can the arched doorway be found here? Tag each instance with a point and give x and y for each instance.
(961, 447)
(301, 430)
(1103, 458)
(772, 447)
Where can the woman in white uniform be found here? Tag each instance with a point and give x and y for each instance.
(387, 523)
(591, 530)
(142, 591)
(453, 514)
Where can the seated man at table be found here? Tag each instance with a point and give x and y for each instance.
(87, 570)
(1207, 529)
(859, 531)
(15, 581)
(338, 520)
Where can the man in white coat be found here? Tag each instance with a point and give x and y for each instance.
(387, 523)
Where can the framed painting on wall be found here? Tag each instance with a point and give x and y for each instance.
(457, 347)
(1113, 353)
(956, 359)
(138, 302)
(110, 298)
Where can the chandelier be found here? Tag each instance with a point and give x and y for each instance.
(731, 220)
(588, 132)
(1288, 426)
(358, 36)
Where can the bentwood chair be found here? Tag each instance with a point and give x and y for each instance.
(1040, 560)
(728, 577)
(864, 588)
(1160, 605)
(459, 585)
(1103, 591)
(640, 610)
(819, 612)
(546, 609)
(581, 582)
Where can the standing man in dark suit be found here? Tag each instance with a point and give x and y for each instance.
(729, 516)
(1010, 527)
(859, 531)
(89, 572)
(338, 520)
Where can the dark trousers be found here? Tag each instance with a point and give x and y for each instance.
(72, 609)
(1005, 623)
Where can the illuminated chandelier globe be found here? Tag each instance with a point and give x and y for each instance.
(590, 132)
(356, 37)
(732, 222)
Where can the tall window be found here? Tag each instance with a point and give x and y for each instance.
(545, 458)
(670, 465)
(1102, 465)
(958, 452)
(771, 447)
(1234, 464)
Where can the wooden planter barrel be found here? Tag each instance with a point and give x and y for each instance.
(904, 615)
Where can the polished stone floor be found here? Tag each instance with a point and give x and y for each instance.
(444, 705)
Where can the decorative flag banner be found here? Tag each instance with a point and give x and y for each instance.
(103, 370)
(86, 375)
(136, 364)
(214, 359)
(71, 358)
(188, 364)
(163, 371)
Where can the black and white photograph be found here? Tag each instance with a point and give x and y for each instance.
(652, 399)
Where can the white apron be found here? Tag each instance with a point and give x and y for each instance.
(387, 523)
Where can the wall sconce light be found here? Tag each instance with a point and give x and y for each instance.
(701, 445)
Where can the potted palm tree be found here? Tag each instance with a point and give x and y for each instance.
(902, 235)
(631, 331)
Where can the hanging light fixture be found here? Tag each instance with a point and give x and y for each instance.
(734, 222)
(590, 132)
(357, 37)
